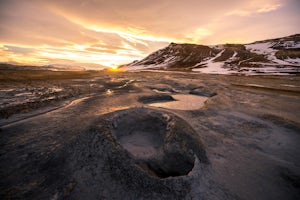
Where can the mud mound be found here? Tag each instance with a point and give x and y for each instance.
(151, 140)
(140, 153)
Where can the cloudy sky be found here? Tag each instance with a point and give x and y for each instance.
(113, 32)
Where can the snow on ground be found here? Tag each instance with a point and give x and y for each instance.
(260, 48)
(233, 57)
(270, 70)
(166, 62)
(266, 49)
(290, 44)
(213, 67)
(293, 60)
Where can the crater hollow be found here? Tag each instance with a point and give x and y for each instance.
(157, 142)
(142, 136)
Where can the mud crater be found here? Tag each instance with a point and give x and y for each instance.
(157, 142)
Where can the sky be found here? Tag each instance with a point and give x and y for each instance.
(96, 33)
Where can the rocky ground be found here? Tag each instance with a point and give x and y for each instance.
(98, 136)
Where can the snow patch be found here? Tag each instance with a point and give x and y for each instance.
(270, 70)
(213, 67)
(233, 57)
(165, 64)
(267, 50)
(260, 48)
(295, 61)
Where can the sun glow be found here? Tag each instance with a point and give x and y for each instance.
(114, 68)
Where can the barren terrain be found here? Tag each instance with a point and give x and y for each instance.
(103, 135)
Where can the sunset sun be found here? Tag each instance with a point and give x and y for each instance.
(114, 68)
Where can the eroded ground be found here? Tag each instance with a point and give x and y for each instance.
(68, 137)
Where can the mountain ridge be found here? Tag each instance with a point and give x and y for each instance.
(279, 55)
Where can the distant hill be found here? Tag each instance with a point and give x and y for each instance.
(274, 56)
(7, 66)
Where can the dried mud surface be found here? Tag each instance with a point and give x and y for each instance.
(96, 136)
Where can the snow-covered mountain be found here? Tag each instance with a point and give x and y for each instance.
(281, 55)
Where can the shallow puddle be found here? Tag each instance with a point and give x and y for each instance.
(183, 102)
(141, 144)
